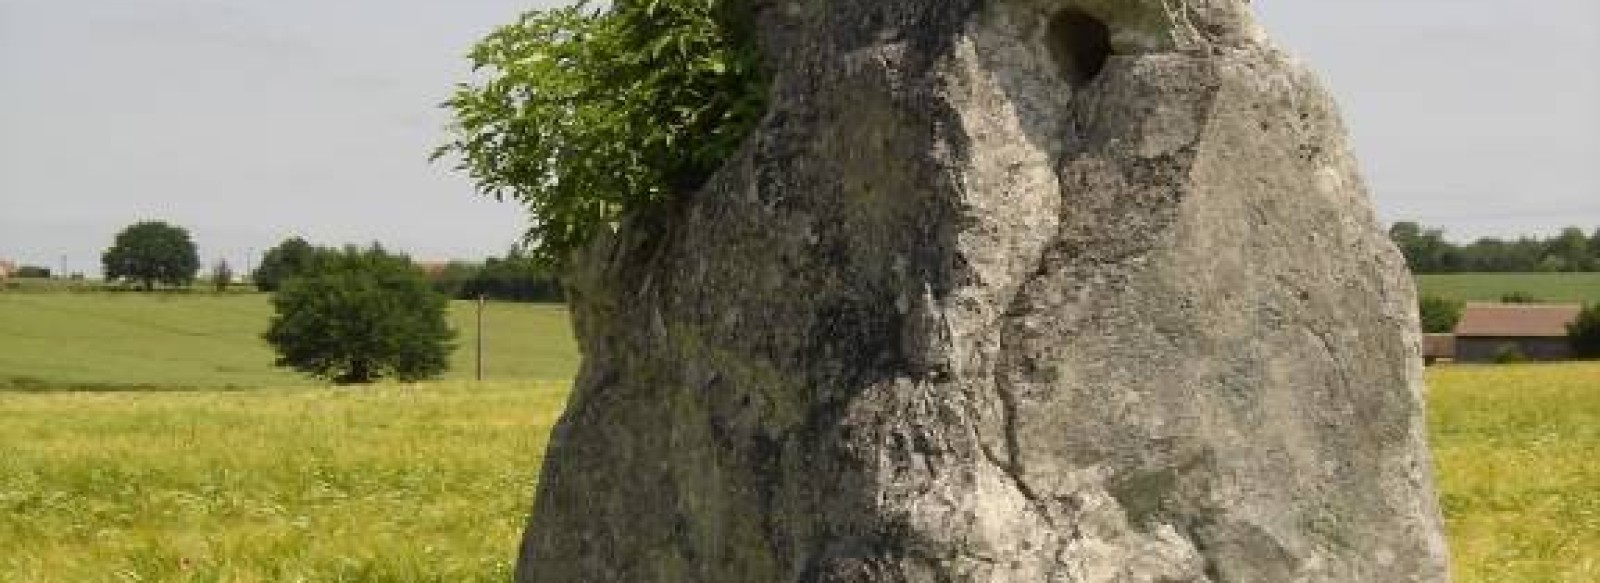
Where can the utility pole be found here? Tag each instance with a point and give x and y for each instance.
(480, 337)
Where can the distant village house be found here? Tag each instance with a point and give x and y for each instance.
(1488, 332)
(433, 269)
(6, 269)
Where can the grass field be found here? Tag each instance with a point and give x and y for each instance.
(200, 340)
(431, 482)
(1481, 287)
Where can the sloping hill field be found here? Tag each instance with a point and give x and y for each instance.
(1489, 287)
(199, 340)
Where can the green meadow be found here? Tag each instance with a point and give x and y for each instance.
(292, 480)
(1489, 287)
(201, 340)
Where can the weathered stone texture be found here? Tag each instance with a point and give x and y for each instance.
(972, 306)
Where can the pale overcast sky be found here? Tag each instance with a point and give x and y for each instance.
(248, 121)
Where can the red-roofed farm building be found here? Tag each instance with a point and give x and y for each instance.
(1488, 332)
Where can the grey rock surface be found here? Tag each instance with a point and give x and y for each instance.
(1006, 290)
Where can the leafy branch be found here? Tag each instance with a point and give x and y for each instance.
(588, 115)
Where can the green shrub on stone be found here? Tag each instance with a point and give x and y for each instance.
(587, 115)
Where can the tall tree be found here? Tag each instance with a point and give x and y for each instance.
(1426, 251)
(221, 276)
(152, 252)
(291, 257)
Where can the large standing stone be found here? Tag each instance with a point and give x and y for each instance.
(1005, 290)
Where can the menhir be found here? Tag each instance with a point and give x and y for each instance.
(1015, 290)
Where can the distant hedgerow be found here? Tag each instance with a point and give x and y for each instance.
(586, 115)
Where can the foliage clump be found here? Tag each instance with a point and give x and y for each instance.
(152, 252)
(34, 271)
(358, 316)
(291, 257)
(1440, 315)
(586, 115)
(1518, 297)
(1509, 353)
(1584, 333)
(1427, 251)
(515, 278)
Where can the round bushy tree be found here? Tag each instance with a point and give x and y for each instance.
(360, 315)
(588, 115)
(152, 252)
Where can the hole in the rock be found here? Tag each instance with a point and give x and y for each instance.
(1080, 44)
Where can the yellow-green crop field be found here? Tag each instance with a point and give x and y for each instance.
(1518, 452)
(392, 483)
(431, 482)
